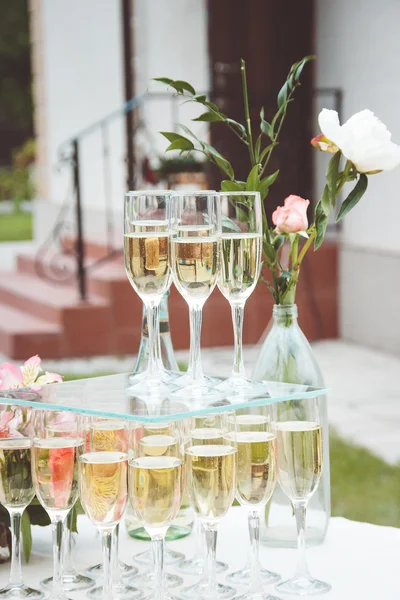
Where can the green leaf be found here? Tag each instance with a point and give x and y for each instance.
(253, 180)
(354, 197)
(172, 136)
(266, 150)
(26, 535)
(181, 86)
(282, 96)
(229, 225)
(278, 242)
(189, 132)
(163, 80)
(211, 105)
(241, 215)
(210, 117)
(200, 98)
(231, 186)
(269, 251)
(331, 178)
(271, 178)
(182, 144)
(299, 68)
(265, 126)
(325, 201)
(222, 163)
(321, 222)
(257, 148)
(238, 125)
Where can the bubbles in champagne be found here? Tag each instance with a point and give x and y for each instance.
(155, 489)
(147, 262)
(55, 475)
(16, 486)
(195, 264)
(240, 264)
(211, 479)
(103, 486)
(300, 457)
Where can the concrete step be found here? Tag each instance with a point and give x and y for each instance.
(23, 335)
(86, 326)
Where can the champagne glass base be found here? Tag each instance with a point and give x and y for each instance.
(148, 580)
(257, 596)
(199, 590)
(196, 566)
(20, 592)
(243, 577)
(171, 557)
(71, 583)
(303, 586)
(124, 569)
(240, 386)
(121, 590)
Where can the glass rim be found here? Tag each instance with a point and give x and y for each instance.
(137, 193)
(237, 193)
(182, 193)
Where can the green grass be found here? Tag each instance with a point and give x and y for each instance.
(16, 227)
(364, 487)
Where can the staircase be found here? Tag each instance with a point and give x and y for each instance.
(49, 319)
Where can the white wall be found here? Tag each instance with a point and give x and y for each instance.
(82, 81)
(170, 41)
(358, 46)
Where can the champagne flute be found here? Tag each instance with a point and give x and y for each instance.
(146, 249)
(155, 489)
(210, 467)
(16, 492)
(111, 435)
(241, 262)
(65, 426)
(103, 493)
(300, 461)
(256, 480)
(55, 477)
(195, 227)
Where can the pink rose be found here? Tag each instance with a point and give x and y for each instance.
(292, 217)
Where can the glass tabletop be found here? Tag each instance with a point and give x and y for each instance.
(113, 396)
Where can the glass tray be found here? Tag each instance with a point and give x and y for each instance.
(112, 396)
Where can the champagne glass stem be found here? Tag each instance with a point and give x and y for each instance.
(237, 320)
(107, 535)
(116, 576)
(15, 571)
(68, 565)
(300, 515)
(157, 543)
(254, 529)
(57, 524)
(152, 309)
(211, 558)
(195, 316)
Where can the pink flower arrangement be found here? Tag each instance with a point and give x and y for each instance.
(30, 375)
(292, 217)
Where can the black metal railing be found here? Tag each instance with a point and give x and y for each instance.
(64, 261)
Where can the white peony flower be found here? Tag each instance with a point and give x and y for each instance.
(363, 139)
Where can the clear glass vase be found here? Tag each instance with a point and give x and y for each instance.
(286, 356)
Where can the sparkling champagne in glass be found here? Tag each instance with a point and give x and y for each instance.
(111, 435)
(103, 494)
(299, 436)
(256, 479)
(147, 264)
(241, 261)
(55, 476)
(16, 492)
(155, 488)
(210, 472)
(195, 227)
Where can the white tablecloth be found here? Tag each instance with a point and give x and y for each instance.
(358, 559)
